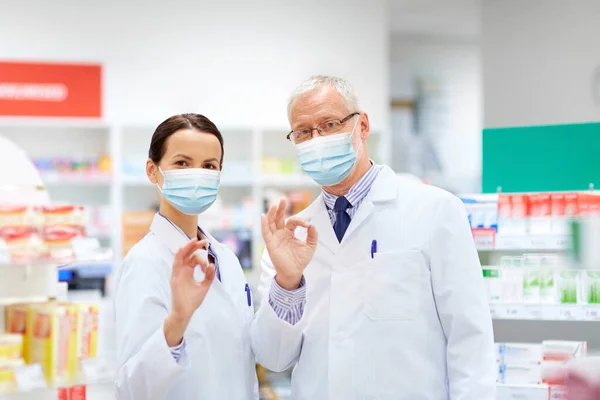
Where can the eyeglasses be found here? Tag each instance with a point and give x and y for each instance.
(331, 127)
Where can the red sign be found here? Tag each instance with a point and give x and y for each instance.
(50, 90)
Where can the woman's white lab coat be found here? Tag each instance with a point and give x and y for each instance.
(218, 362)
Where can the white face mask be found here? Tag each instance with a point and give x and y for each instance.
(191, 190)
(328, 160)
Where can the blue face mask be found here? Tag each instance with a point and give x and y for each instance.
(328, 160)
(191, 190)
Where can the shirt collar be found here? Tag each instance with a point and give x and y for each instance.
(357, 192)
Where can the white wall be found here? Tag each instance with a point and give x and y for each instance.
(538, 63)
(539, 57)
(235, 61)
(455, 65)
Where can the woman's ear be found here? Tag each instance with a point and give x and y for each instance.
(151, 171)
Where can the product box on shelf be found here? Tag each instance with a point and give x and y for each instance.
(536, 363)
(61, 225)
(136, 225)
(19, 234)
(520, 212)
(563, 350)
(8, 381)
(591, 286)
(53, 340)
(535, 214)
(570, 286)
(18, 318)
(518, 353)
(72, 393)
(43, 234)
(87, 330)
(540, 214)
(84, 165)
(529, 279)
(493, 283)
(558, 212)
(11, 346)
(519, 374)
(512, 273)
(555, 354)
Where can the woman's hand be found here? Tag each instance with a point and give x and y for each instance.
(289, 255)
(186, 293)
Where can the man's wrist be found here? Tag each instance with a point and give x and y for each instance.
(290, 284)
(174, 328)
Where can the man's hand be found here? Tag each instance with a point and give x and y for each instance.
(289, 255)
(186, 293)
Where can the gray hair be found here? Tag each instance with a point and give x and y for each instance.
(316, 82)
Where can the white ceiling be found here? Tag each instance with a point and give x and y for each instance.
(456, 18)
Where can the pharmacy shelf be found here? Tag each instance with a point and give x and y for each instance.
(52, 122)
(37, 281)
(287, 181)
(522, 242)
(94, 391)
(76, 179)
(530, 392)
(532, 242)
(546, 312)
(27, 283)
(226, 181)
(45, 137)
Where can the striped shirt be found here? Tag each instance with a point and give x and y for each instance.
(289, 305)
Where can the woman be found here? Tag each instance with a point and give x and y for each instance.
(182, 305)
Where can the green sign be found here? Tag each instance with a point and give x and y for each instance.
(541, 158)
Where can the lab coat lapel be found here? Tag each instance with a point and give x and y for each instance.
(384, 189)
(227, 280)
(167, 233)
(174, 240)
(318, 216)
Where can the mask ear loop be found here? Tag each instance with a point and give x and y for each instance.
(357, 151)
(163, 174)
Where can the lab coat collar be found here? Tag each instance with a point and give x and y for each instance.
(172, 237)
(317, 214)
(174, 240)
(384, 189)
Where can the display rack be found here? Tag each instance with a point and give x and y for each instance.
(486, 241)
(530, 392)
(546, 312)
(127, 188)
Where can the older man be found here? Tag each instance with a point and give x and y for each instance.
(381, 295)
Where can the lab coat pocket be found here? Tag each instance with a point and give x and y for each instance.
(393, 284)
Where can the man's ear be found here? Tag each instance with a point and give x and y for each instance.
(365, 126)
(151, 171)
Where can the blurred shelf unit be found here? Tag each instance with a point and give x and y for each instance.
(102, 164)
(527, 221)
(530, 392)
(546, 312)
(489, 241)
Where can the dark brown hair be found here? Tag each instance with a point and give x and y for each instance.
(173, 124)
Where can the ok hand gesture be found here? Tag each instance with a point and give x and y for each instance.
(187, 294)
(289, 255)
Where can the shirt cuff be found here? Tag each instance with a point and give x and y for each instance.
(288, 304)
(178, 350)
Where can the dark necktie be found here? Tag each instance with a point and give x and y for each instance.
(342, 219)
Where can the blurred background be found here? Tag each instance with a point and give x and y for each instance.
(496, 101)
